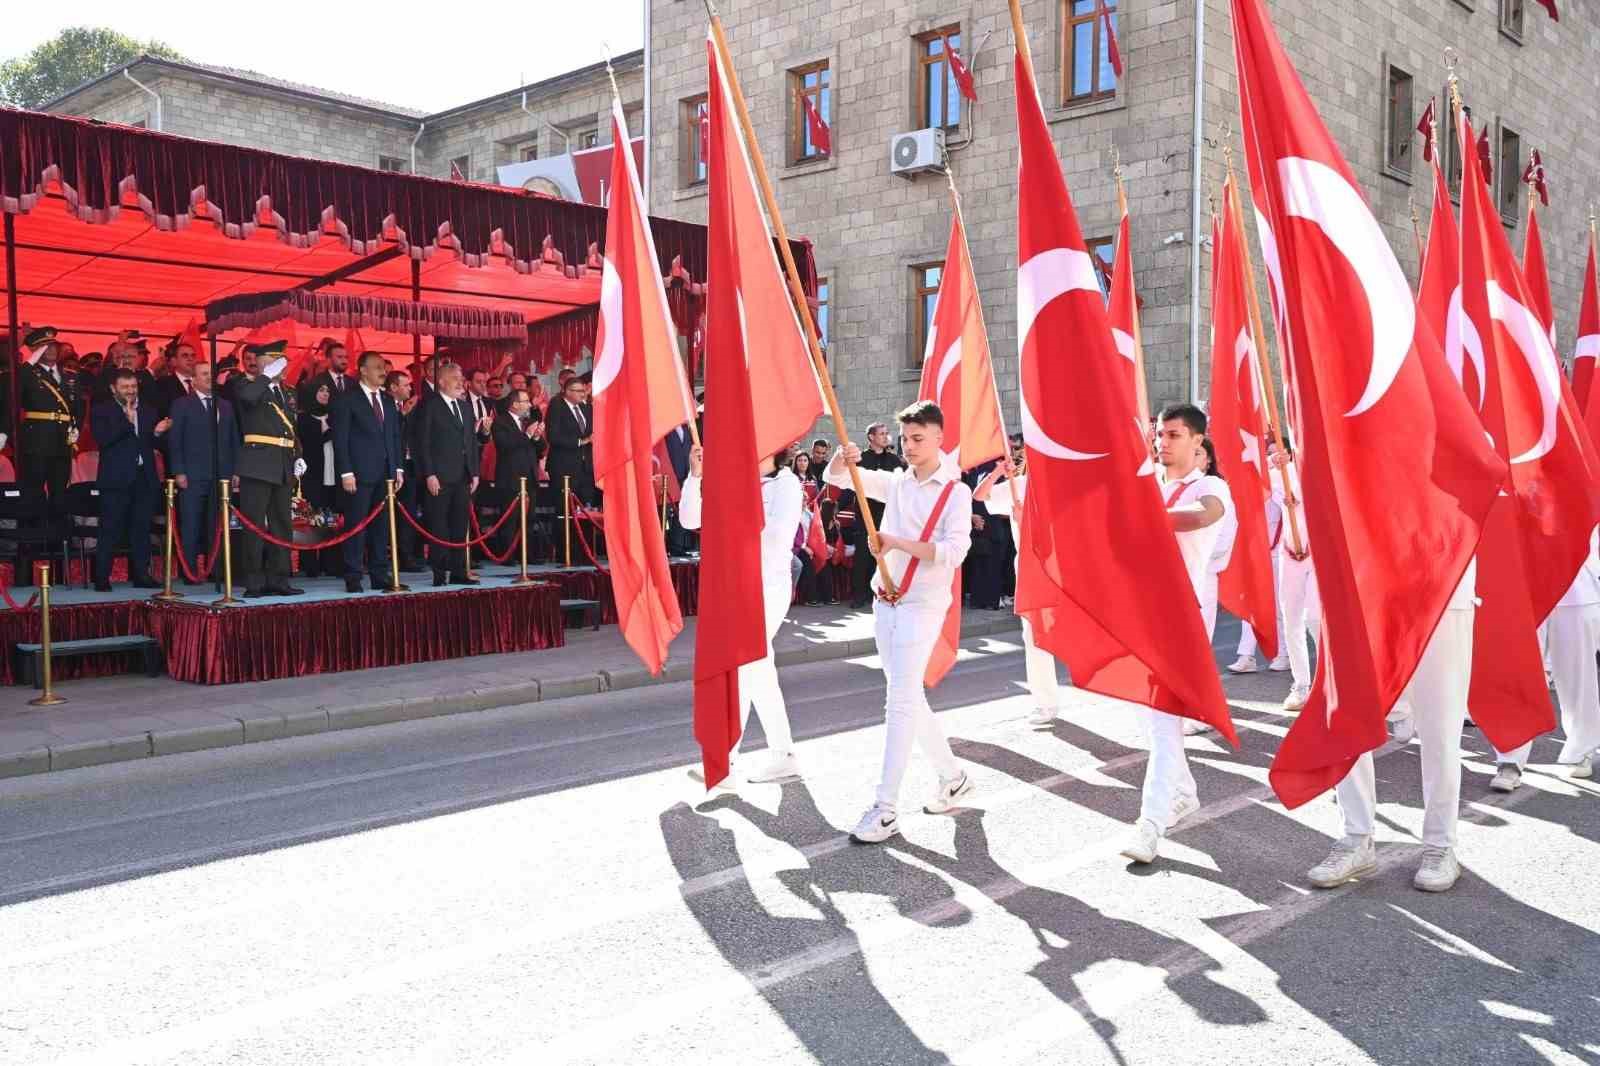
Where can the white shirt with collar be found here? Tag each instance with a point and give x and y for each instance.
(1197, 545)
(782, 501)
(907, 505)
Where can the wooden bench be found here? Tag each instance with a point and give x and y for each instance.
(588, 611)
(30, 656)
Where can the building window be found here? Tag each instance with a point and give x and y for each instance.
(140, 124)
(1511, 18)
(810, 82)
(1400, 122)
(1104, 252)
(461, 168)
(937, 94)
(587, 139)
(924, 294)
(1086, 72)
(692, 137)
(823, 312)
(393, 164)
(528, 152)
(1451, 148)
(1510, 172)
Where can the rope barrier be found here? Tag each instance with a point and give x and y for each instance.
(211, 556)
(244, 520)
(583, 541)
(474, 543)
(5, 593)
(483, 538)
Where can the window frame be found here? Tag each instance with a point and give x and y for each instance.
(1507, 200)
(823, 317)
(693, 171)
(922, 302)
(525, 148)
(1512, 18)
(400, 166)
(587, 138)
(1398, 153)
(1449, 148)
(922, 59)
(462, 163)
(1065, 50)
(1092, 245)
(798, 136)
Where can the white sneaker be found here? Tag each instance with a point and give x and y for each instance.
(1280, 665)
(877, 825)
(1506, 778)
(781, 768)
(1141, 846)
(1042, 716)
(1439, 870)
(1405, 730)
(1350, 858)
(1244, 664)
(1182, 807)
(950, 794)
(1584, 767)
(1296, 700)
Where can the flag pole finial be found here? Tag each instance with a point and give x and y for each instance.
(1452, 60)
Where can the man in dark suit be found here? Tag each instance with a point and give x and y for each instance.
(447, 462)
(367, 452)
(876, 457)
(269, 461)
(49, 428)
(518, 445)
(336, 377)
(679, 444)
(169, 388)
(126, 432)
(190, 461)
(569, 426)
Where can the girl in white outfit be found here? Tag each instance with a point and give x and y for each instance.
(782, 501)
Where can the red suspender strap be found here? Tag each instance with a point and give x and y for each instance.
(927, 533)
(1177, 490)
(1277, 534)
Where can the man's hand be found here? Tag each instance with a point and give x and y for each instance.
(433, 485)
(472, 486)
(583, 442)
(697, 460)
(236, 484)
(299, 467)
(1008, 468)
(1279, 459)
(399, 479)
(348, 483)
(851, 454)
(882, 544)
(977, 522)
(182, 480)
(163, 425)
(534, 430)
(484, 423)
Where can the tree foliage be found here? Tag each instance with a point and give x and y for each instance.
(66, 61)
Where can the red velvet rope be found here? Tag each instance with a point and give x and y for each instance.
(483, 538)
(5, 593)
(473, 543)
(583, 541)
(244, 520)
(177, 547)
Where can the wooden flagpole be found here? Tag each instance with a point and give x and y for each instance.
(1416, 231)
(1297, 542)
(1141, 390)
(797, 293)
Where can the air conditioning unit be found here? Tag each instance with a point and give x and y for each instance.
(917, 152)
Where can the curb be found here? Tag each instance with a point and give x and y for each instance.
(267, 727)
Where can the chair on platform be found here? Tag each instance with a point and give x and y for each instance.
(83, 511)
(26, 533)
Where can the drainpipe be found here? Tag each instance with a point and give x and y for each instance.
(649, 5)
(152, 93)
(420, 127)
(1198, 178)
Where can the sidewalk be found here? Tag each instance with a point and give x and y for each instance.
(130, 717)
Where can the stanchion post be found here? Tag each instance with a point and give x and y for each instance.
(566, 515)
(227, 596)
(663, 503)
(48, 697)
(394, 544)
(522, 578)
(166, 592)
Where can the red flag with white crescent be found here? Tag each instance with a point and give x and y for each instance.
(1123, 313)
(1393, 525)
(1537, 275)
(1238, 430)
(1587, 352)
(1100, 576)
(639, 397)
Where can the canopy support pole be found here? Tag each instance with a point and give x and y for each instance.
(223, 576)
(352, 269)
(416, 338)
(12, 402)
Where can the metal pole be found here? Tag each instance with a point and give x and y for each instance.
(48, 697)
(394, 545)
(566, 513)
(1197, 181)
(522, 504)
(227, 545)
(166, 592)
(216, 422)
(416, 297)
(14, 400)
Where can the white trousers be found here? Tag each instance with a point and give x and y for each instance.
(1247, 636)
(1574, 637)
(758, 681)
(906, 635)
(1302, 612)
(1438, 696)
(1208, 605)
(1042, 682)
(1166, 775)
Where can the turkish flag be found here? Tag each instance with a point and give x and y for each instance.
(639, 397)
(958, 69)
(1540, 533)
(821, 135)
(1537, 275)
(1113, 53)
(1425, 127)
(958, 375)
(1123, 312)
(1397, 474)
(761, 396)
(817, 540)
(1100, 577)
(1238, 430)
(1587, 351)
(1439, 295)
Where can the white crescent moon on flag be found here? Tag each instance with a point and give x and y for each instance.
(947, 366)
(1319, 194)
(608, 360)
(1462, 342)
(1041, 279)
(1124, 341)
(1532, 340)
(1588, 347)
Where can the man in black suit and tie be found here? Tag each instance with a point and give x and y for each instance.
(126, 431)
(269, 461)
(189, 460)
(179, 383)
(336, 377)
(679, 444)
(518, 445)
(569, 425)
(446, 454)
(367, 452)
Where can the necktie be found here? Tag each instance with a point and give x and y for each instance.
(455, 409)
(205, 404)
(577, 412)
(188, 388)
(377, 408)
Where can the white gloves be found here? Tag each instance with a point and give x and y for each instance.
(299, 467)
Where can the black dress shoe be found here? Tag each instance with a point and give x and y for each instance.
(145, 583)
(439, 579)
(352, 584)
(102, 586)
(285, 590)
(256, 594)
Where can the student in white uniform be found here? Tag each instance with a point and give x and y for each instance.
(1573, 629)
(1196, 503)
(927, 519)
(782, 500)
(1438, 698)
(1297, 579)
(1246, 662)
(1003, 492)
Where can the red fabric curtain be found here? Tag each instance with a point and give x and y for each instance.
(327, 310)
(596, 585)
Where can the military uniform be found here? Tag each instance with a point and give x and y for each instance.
(48, 426)
(266, 480)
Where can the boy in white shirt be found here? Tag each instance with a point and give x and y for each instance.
(924, 538)
(782, 501)
(1005, 497)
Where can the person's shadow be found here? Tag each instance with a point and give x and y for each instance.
(836, 1011)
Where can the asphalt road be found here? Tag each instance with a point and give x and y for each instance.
(534, 885)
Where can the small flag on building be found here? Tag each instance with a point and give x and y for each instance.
(1534, 175)
(821, 135)
(958, 70)
(1425, 127)
(1113, 52)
